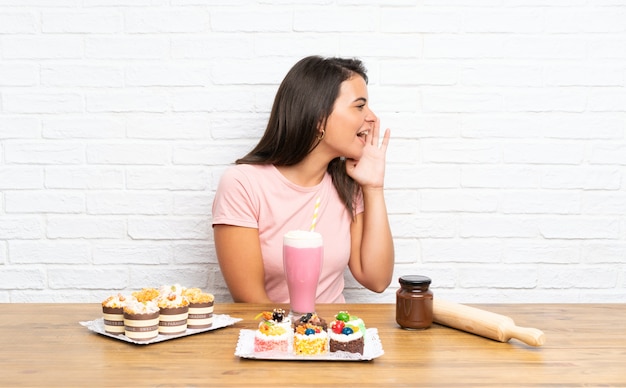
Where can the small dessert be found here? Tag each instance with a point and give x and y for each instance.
(146, 294)
(174, 309)
(273, 333)
(346, 333)
(141, 320)
(310, 337)
(113, 314)
(200, 308)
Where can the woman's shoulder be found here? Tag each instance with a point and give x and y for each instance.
(249, 169)
(248, 173)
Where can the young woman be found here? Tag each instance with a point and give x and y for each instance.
(321, 140)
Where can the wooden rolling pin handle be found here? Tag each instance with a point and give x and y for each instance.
(528, 335)
(484, 323)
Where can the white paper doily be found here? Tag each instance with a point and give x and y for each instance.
(372, 348)
(219, 321)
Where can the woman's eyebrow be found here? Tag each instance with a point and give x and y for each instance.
(361, 99)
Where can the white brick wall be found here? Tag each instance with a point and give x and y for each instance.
(507, 169)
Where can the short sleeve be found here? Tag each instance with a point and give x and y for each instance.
(235, 202)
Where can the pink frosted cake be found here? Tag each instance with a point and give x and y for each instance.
(273, 333)
(113, 313)
(141, 320)
(346, 333)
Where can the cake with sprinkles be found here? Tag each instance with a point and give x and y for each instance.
(273, 333)
(346, 333)
(310, 337)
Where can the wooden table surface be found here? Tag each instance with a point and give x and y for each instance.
(44, 345)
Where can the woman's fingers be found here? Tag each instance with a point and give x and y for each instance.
(375, 132)
(385, 142)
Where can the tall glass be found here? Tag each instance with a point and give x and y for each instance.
(303, 254)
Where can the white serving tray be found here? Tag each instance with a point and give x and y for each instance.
(219, 321)
(372, 348)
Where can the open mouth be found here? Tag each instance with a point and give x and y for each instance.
(363, 133)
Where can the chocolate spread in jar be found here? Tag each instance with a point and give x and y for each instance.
(414, 302)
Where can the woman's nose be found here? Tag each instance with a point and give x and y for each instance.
(371, 116)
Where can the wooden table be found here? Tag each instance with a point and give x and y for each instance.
(44, 345)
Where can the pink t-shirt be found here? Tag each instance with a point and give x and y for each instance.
(259, 196)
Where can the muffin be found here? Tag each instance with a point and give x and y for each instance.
(113, 313)
(173, 309)
(200, 308)
(141, 320)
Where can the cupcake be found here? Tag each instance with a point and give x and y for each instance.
(173, 309)
(141, 320)
(200, 308)
(113, 314)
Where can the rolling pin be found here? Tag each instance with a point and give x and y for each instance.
(483, 323)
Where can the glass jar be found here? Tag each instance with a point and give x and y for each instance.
(414, 302)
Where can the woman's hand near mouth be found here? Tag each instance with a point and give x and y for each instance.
(369, 170)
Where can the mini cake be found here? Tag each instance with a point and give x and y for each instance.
(146, 294)
(200, 308)
(141, 320)
(273, 333)
(346, 333)
(310, 335)
(310, 339)
(113, 313)
(174, 309)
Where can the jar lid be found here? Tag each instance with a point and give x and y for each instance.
(414, 280)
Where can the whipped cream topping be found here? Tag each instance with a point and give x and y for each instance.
(116, 301)
(169, 289)
(172, 300)
(195, 295)
(133, 306)
(345, 337)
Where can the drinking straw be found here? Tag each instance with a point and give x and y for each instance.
(315, 211)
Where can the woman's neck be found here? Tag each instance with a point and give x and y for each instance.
(307, 173)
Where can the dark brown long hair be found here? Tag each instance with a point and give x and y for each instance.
(303, 102)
